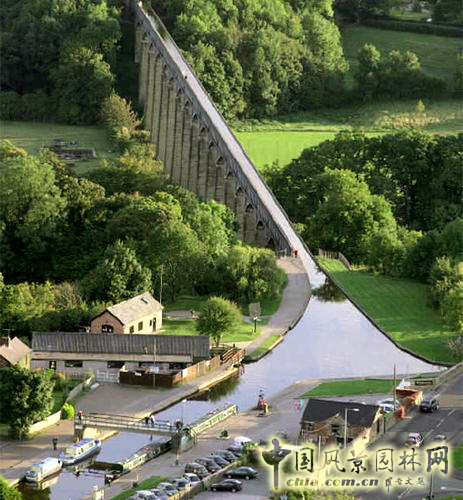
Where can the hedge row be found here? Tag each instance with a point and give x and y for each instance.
(427, 28)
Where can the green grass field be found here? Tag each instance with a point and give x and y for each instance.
(243, 333)
(457, 457)
(146, 484)
(436, 53)
(31, 136)
(263, 348)
(399, 306)
(350, 387)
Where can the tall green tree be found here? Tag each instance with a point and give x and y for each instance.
(217, 318)
(118, 276)
(26, 397)
(8, 492)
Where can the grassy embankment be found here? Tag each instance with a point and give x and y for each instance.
(266, 345)
(146, 484)
(457, 457)
(32, 136)
(351, 387)
(399, 307)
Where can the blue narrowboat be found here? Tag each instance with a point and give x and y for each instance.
(80, 450)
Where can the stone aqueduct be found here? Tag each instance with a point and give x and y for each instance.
(198, 149)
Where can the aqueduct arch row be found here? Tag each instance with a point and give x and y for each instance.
(196, 146)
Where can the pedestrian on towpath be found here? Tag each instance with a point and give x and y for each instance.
(55, 443)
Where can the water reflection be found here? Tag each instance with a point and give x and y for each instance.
(329, 292)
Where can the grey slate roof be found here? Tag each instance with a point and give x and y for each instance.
(135, 308)
(319, 410)
(112, 343)
(15, 351)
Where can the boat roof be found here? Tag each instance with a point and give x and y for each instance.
(81, 442)
(45, 460)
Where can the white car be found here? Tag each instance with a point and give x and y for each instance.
(387, 405)
(414, 439)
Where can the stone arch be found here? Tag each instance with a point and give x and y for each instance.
(261, 234)
(249, 208)
(271, 244)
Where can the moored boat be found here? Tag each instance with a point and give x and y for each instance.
(42, 469)
(80, 450)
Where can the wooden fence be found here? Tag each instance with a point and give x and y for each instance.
(325, 254)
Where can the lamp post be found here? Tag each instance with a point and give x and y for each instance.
(345, 424)
(183, 411)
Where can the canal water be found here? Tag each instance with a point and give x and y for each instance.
(332, 339)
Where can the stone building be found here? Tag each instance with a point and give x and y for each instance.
(14, 352)
(77, 353)
(325, 419)
(141, 314)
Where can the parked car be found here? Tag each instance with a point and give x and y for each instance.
(429, 405)
(181, 483)
(227, 485)
(236, 450)
(192, 478)
(160, 494)
(210, 465)
(228, 455)
(145, 495)
(197, 469)
(240, 440)
(440, 438)
(244, 472)
(387, 405)
(414, 439)
(221, 462)
(169, 488)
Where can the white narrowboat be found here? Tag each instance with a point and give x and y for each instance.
(80, 450)
(44, 468)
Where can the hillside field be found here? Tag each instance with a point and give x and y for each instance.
(399, 306)
(436, 53)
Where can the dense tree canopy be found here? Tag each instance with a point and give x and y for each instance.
(218, 317)
(261, 58)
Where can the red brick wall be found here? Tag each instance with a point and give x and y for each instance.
(106, 319)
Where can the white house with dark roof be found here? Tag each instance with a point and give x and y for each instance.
(77, 353)
(141, 314)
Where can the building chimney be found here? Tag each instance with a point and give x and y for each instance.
(5, 341)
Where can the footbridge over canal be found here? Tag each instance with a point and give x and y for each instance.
(196, 146)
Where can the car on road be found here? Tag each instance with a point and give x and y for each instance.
(181, 483)
(160, 494)
(227, 455)
(210, 465)
(243, 472)
(169, 488)
(387, 405)
(192, 478)
(236, 450)
(429, 405)
(197, 469)
(440, 438)
(227, 485)
(414, 439)
(221, 462)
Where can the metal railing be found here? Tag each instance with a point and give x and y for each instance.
(124, 422)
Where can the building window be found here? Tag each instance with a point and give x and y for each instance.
(107, 329)
(140, 326)
(335, 428)
(115, 364)
(132, 329)
(154, 324)
(52, 365)
(73, 364)
(309, 426)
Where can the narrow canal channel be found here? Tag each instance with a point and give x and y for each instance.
(331, 340)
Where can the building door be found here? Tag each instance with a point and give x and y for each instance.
(52, 365)
(154, 324)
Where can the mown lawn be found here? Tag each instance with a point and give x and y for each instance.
(350, 387)
(146, 484)
(243, 333)
(263, 348)
(436, 53)
(32, 136)
(457, 457)
(399, 306)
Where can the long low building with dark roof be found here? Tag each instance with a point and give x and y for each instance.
(78, 353)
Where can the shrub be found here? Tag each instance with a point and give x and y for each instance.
(416, 27)
(67, 411)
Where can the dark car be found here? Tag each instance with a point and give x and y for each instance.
(210, 465)
(236, 450)
(429, 405)
(197, 469)
(227, 485)
(160, 494)
(228, 455)
(244, 472)
(221, 462)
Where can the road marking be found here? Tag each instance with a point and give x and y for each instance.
(454, 410)
(440, 422)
